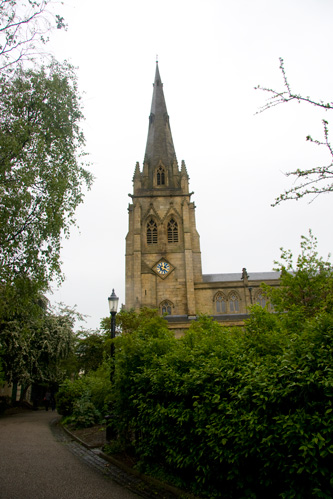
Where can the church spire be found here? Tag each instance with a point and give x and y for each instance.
(159, 142)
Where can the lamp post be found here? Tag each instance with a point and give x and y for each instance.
(113, 306)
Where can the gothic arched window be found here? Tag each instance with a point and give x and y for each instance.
(160, 175)
(220, 303)
(172, 231)
(261, 300)
(151, 232)
(233, 303)
(166, 307)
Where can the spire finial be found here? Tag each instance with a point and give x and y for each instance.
(156, 59)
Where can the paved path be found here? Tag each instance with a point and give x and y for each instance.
(36, 463)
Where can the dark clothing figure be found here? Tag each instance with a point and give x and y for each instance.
(53, 402)
(47, 400)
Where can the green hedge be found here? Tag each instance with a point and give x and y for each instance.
(231, 413)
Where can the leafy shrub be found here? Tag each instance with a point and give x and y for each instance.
(99, 387)
(95, 387)
(85, 413)
(243, 413)
(69, 392)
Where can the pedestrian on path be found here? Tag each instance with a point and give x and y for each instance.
(47, 400)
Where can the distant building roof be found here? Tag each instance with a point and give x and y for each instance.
(252, 276)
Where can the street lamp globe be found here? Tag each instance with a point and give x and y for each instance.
(113, 302)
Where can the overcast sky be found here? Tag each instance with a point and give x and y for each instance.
(212, 53)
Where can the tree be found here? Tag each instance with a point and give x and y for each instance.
(42, 180)
(35, 339)
(316, 180)
(90, 348)
(24, 27)
(306, 286)
(41, 170)
(129, 321)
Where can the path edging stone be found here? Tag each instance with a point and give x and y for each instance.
(145, 478)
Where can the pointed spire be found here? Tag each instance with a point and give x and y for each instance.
(184, 169)
(159, 142)
(137, 178)
(137, 173)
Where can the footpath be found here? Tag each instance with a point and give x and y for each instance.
(39, 460)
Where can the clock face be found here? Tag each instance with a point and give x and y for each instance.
(163, 268)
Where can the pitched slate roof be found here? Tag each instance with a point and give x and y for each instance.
(233, 277)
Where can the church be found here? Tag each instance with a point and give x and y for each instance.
(163, 258)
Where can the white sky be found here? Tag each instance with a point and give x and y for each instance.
(211, 55)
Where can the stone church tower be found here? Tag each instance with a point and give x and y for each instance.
(163, 259)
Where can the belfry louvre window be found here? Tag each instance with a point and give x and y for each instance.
(151, 232)
(160, 175)
(172, 231)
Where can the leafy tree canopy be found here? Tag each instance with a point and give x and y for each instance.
(43, 176)
(306, 286)
(90, 349)
(41, 170)
(35, 339)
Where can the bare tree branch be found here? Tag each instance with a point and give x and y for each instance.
(23, 29)
(314, 181)
(287, 95)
